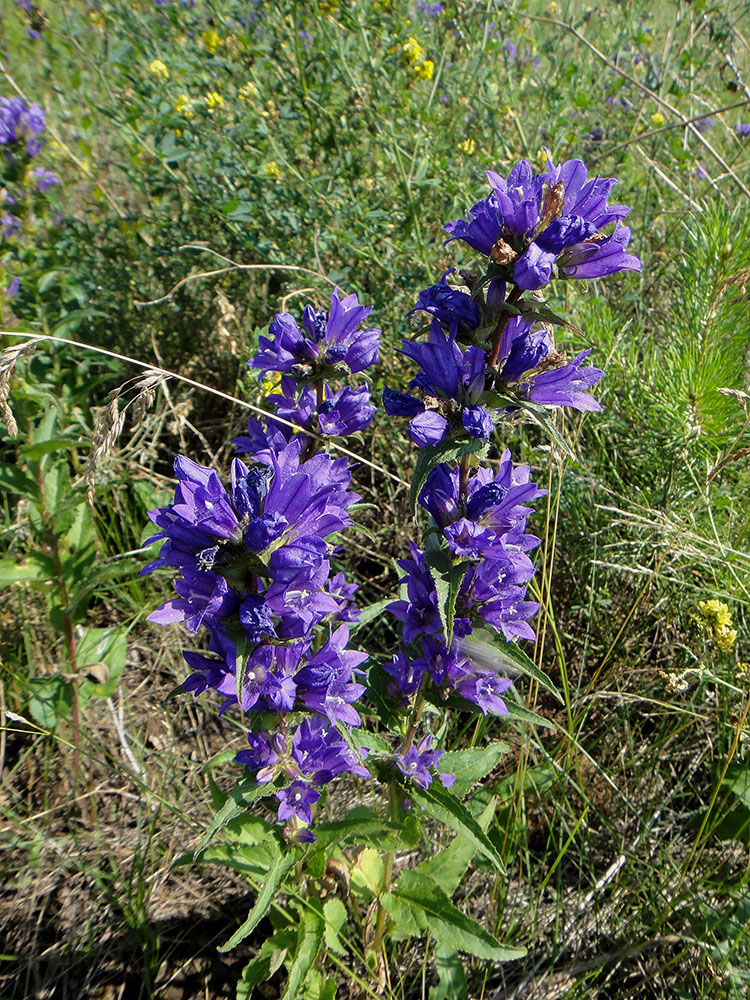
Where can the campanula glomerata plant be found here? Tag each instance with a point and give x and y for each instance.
(254, 573)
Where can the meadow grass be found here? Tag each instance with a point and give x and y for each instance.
(288, 147)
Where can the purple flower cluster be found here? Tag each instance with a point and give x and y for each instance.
(21, 126)
(489, 353)
(536, 227)
(484, 528)
(330, 345)
(254, 565)
(21, 129)
(254, 561)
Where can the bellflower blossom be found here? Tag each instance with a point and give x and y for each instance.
(21, 125)
(330, 339)
(451, 383)
(535, 227)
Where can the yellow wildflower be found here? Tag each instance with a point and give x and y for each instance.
(413, 52)
(425, 70)
(184, 106)
(159, 70)
(248, 92)
(715, 614)
(657, 119)
(467, 146)
(270, 383)
(269, 112)
(272, 170)
(214, 100)
(724, 638)
(554, 9)
(211, 40)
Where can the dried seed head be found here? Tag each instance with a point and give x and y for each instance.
(502, 252)
(8, 360)
(553, 204)
(107, 429)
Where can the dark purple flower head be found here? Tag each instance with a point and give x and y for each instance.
(453, 671)
(419, 611)
(539, 226)
(321, 754)
(494, 505)
(44, 179)
(347, 411)
(529, 365)
(9, 225)
(297, 801)
(21, 123)
(450, 381)
(330, 340)
(448, 304)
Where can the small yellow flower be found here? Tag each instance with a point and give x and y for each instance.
(270, 382)
(211, 40)
(367, 183)
(158, 69)
(715, 614)
(269, 112)
(554, 9)
(248, 92)
(272, 170)
(413, 52)
(467, 146)
(184, 106)
(425, 70)
(724, 638)
(657, 119)
(214, 100)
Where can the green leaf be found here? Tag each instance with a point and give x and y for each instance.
(51, 699)
(14, 480)
(362, 829)
(310, 939)
(280, 867)
(471, 765)
(433, 455)
(368, 874)
(367, 614)
(448, 924)
(336, 918)
(447, 577)
(262, 966)
(523, 714)
(41, 448)
(30, 570)
(447, 867)
(452, 985)
(101, 654)
(241, 796)
(439, 802)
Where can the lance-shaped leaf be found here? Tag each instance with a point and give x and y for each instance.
(309, 941)
(489, 648)
(241, 796)
(280, 867)
(441, 804)
(471, 765)
(447, 577)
